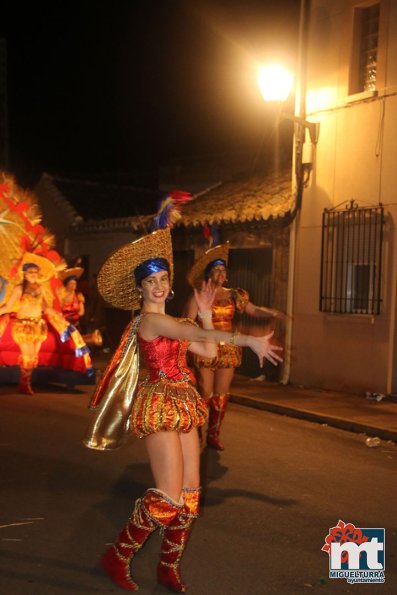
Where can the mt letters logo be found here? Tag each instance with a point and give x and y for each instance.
(358, 555)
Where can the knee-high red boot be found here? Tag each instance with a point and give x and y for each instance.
(26, 365)
(151, 511)
(217, 413)
(176, 536)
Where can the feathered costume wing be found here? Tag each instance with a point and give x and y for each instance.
(21, 231)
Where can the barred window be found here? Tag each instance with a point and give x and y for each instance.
(351, 260)
(365, 49)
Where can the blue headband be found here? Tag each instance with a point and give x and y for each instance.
(30, 265)
(212, 264)
(70, 278)
(150, 266)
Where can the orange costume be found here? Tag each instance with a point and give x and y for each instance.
(229, 355)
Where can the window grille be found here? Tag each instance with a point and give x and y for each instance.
(365, 48)
(351, 260)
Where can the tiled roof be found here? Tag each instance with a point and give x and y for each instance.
(256, 198)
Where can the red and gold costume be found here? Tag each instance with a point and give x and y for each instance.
(71, 310)
(229, 356)
(71, 301)
(166, 400)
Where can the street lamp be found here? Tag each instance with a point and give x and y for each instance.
(276, 83)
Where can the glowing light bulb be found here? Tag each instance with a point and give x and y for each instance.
(275, 82)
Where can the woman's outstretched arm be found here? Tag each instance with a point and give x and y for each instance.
(155, 325)
(263, 312)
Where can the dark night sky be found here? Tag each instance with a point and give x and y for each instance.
(123, 85)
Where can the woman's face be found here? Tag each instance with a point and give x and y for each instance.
(71, 285)
(156, 287)
(218, 274)
(32, 275)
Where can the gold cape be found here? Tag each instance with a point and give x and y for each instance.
(112, 401)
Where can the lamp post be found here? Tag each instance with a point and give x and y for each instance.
(275, 84)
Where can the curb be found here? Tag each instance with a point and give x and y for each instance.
(343, 424)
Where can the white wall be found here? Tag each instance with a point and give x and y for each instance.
(355, 159)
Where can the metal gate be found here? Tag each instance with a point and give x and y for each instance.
(251, 269)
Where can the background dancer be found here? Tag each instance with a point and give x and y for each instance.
(215, 375)
(26, 320)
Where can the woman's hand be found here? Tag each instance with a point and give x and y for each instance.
(280, 315)
(263, 348)
(263, 312)
(205, 296)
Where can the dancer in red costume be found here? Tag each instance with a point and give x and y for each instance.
(164, 409)
(32, 333)
(26, 320)
(71, 300)
(215, 375)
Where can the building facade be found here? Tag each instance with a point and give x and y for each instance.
(345, 276)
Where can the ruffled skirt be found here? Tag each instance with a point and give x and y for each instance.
(229, 356)
(28, 330)
(166, 407)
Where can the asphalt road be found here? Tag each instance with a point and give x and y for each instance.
(270, 499)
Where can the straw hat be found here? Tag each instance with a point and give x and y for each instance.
(116, 281)
(196, 274)
(72, 272)
(47, 268)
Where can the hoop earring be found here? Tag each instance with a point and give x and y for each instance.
(170, 296)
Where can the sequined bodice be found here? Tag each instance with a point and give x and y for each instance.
(222, 314)
(31, 300)
(165, 359)
(224, 310)
(30, 305)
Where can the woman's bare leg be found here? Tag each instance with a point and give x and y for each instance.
(222, 381)
(205, 380)
(166, 462)
(191, 458)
